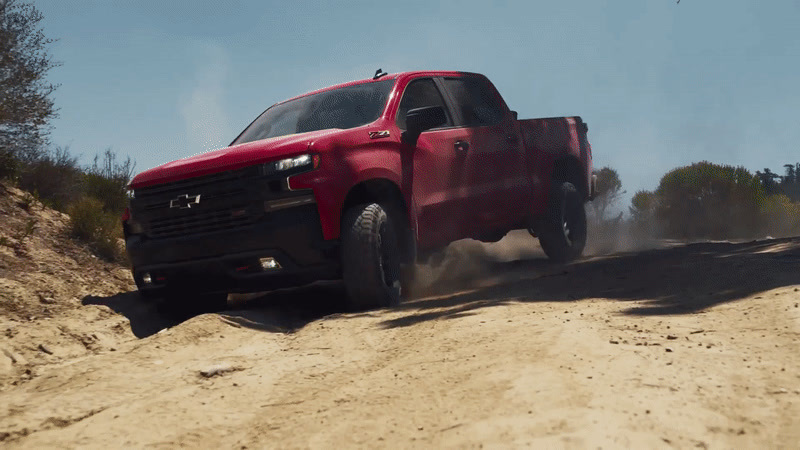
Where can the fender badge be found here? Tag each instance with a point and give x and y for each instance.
(378, 134)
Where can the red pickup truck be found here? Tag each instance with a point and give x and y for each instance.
(358, 182)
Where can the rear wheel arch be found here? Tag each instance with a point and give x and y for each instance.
(562, 232)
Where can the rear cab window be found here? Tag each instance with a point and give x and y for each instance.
(476, 103)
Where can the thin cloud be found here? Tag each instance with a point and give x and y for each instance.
(203, 109)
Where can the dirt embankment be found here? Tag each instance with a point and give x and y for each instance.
(44, 277)
(688, 346)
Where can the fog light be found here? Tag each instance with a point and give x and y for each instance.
(146, 278)
(269, 263)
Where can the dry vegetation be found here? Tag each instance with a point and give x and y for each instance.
(93, 196)
(702, 201)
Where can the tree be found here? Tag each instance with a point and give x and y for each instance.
(609, 191)
(790, 174)
(643, 205)
(790, 185)
(768, 178)
(642, 210)
(26, 104)
(706, 200)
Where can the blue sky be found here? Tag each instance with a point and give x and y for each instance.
(660, 84)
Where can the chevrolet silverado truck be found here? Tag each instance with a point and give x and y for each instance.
(357, 182)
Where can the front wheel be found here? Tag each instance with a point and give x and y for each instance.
(370, 258)
(562, 234)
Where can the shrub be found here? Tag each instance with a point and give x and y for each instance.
(107, 180)
(781, 216)
(93, 196)
(609, 191)
(26, 231)
(8, 165)
(706, 200)
(54, 177)
(99, 228)
(643, 209)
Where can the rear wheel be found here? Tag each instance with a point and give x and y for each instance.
(371, 258)
(562, 234)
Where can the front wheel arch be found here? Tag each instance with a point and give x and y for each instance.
(388, 194)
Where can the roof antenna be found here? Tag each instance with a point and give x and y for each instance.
(379, 73)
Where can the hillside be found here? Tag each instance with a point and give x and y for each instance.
(685, 346)
(44, 278)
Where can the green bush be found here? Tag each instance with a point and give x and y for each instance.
(107, 180)
(642, 209)
(782, 217)
(55, 178)
(713, 201)
(706, 200)
(111, 193)
(8, 165)
(93, 196)
(100, 229)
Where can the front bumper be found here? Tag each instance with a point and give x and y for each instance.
(228, 260)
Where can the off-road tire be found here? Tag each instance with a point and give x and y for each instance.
(562, 233)
(370, 258)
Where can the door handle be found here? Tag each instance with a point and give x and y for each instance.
(512, 139)
(461, 146)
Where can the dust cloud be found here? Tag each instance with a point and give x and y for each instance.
(468, 263)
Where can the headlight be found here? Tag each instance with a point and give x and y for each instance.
(291, 163)
(297, 164)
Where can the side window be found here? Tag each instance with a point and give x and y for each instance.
(419, 94)
(475, 101)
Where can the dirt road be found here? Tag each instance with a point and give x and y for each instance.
(691, 346)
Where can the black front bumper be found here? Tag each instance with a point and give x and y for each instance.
(228, 260)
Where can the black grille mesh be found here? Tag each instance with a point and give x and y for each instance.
(224, 201)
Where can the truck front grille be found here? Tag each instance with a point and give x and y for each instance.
(227, 200)
(213, 181)
(204, 222)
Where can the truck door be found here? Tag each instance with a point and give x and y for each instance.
(502, 188)
(442, 171)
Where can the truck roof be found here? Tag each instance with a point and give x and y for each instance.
(392, 76)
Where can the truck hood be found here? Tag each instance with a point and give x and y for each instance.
(229, 158)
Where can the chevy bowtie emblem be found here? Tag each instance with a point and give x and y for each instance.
(185, 201)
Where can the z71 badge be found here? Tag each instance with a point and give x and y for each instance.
(378, 134)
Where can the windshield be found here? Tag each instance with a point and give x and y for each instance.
(346, 107)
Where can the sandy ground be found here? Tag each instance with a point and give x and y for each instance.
(691, 346)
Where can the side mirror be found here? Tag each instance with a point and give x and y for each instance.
(422, 119)
(514, 115)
